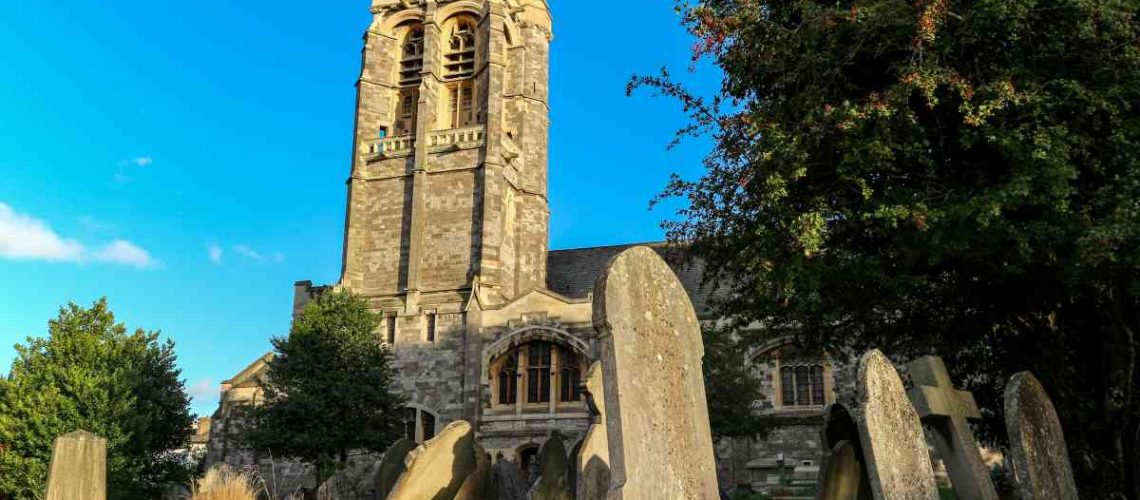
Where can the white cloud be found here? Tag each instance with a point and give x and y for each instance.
(122, 177)
(23, 237)
(124, 252)
(249, 253)
(203, 389)
(215, 252)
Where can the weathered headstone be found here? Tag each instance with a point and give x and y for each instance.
(656, 412)
(78, 467)
(840, 431)
(593, 458)
(508, 481)
(842, 474)
(946, 411)
(894, 447)
(553, 468)
(392, 466)
(437, 469)
(477, 486)
(1037, 443)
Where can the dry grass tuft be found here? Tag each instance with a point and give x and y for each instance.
(224, 483)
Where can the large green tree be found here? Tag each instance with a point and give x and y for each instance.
(90, 374)
(329, 388)
(950, 176)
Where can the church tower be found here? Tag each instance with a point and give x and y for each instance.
(448, 189)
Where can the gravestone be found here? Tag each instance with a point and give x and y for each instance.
(842, 474)
(553, 468)
(1037, 443)
(840, 431)
(592, 460)
(477, 486)
(946, 411)
(508, 482)
(437, 469)
(392, 466)
(657, 418)
(78, 468)
(894, 447)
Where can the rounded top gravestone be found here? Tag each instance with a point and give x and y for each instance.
(1036, 441)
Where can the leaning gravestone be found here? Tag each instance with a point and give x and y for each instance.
(894, 447)
(1037, 443)
(553, 468)
(78, 468)
(477, 486)
(593, 458)
(946, 411)
(841, 479)
(437, 469)
(392, 466)
(656, 413)
(842, 474)
(508, 482)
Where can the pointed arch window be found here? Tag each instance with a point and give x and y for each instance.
(412, 55)
(802, 385)
(459, 54)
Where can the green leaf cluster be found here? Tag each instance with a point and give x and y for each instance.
(90, 374)
(959, 177)
(329, 387)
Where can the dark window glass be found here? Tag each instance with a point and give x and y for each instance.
(817, 385)
(803, 386)
(787, 386)
(538, 373)
(508, 381)
(391, 328)
(431, 327)
(410, 423)
(427, 423)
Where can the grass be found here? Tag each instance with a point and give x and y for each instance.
(224, 483)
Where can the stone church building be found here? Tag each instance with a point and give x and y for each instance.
(447, 236)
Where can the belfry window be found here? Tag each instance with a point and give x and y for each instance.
(459, 53)
(461, 104)
(412, 56)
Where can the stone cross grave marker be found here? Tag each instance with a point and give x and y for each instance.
(1036, 441)
(593, 457)
(78, 467)
(947, 411)
(894, 447)
(657, 419)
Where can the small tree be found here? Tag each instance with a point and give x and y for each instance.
(90, 374)
(329, 388)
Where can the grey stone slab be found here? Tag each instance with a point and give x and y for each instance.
(1037, 442)
(553, 467)
(843, 474)
(839, 431)
(78, 468)
(438, 468)
(894, 447)
(656, 412)
(392, 466)
(947, 411)
(593, 458)
(508, 483)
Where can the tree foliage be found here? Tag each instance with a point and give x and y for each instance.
(329, 388)
(958, 177)
(90, 374)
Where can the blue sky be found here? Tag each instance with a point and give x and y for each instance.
(187, 161)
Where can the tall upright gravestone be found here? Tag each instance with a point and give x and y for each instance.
(593, 457)
(1037, 444)
(893, 444)
(78, 468)
(657, 422)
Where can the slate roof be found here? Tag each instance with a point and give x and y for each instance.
(572, 272)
